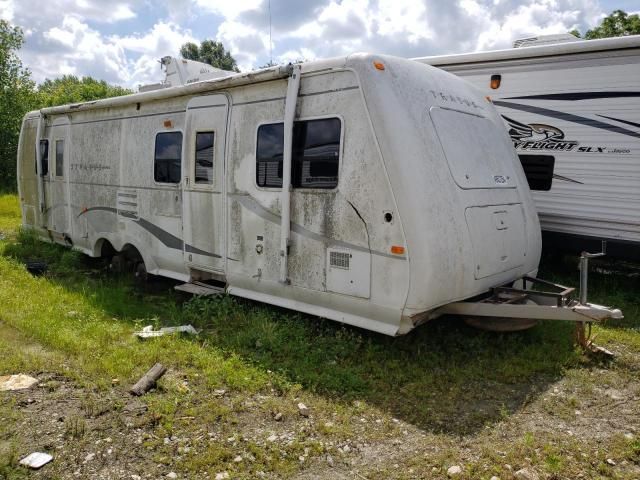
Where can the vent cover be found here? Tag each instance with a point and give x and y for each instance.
(348, 272)
(339, 259)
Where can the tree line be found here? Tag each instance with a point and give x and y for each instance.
(19, 94)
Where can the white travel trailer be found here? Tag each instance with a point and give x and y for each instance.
(366, 189)
(572, 109)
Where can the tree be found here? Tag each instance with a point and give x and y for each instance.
(17, 97)
(618, 24)
(210, 52)
(71, 89)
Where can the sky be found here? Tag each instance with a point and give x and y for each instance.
(121, 41)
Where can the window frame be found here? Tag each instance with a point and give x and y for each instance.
(301, 119)
(55, 166)
(153, 158)
(192, 171)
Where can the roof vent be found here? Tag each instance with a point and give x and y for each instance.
(545, 40)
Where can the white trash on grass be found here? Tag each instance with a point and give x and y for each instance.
(36, 460)
(149, 332)
(17, 382)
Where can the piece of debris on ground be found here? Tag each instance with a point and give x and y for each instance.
(17, 382)
(149, 332)
(36, 460)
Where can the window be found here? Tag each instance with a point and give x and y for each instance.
(204, 158)
(168, 157)
(59, 158)
(44, 157)
(315, 154)
(539, 170)
(269, 155)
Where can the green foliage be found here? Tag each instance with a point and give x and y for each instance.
(16, 98)
(18, 95)
(71, 89)
(444, 378)
(618, 24)
(210, 52)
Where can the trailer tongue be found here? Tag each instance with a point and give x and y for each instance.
(507, 308)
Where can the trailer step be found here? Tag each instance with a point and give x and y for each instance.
(200, 289)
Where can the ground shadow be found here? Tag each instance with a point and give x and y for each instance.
(442, 377)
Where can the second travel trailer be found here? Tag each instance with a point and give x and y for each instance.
(366, 189)
(572, 109)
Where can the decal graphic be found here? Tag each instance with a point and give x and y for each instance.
(538, 136)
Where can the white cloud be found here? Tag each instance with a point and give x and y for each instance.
(541, 18)
(229, 9)
(6, 10)
(245, 42)
(122, 41)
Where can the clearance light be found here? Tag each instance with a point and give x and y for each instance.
(168, 124)
(397, 250)
(378, 65)
(488, 98)
(495, 81)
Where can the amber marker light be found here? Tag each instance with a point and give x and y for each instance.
(397, 250)
(495, 81)
(378, 65)
(168, 124)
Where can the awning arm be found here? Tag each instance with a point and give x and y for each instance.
(289, 115)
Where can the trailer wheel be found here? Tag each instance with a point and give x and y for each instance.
(141, 273)
(118, 263)
(499, 324)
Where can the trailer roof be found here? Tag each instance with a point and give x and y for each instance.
(257, 76)
(567, 48)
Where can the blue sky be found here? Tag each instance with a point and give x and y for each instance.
(121, 40)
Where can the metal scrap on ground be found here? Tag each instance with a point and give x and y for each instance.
(149, 332)
(17, 382)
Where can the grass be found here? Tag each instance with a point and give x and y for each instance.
(444, 380)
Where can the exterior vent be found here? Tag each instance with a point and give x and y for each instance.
(127, 204)
(545, 40)
(339, 259)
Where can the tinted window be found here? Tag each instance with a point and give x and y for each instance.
(168, 157)
(316, 151)
(538, 170)
(59, 158)
(315, 159)
(204, 158)
(269, 155)
(44, 157)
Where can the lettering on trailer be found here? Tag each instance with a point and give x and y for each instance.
(89, 167)
(448, 98)
(540, 136)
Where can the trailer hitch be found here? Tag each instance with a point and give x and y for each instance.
(537, 299)
(583, 329)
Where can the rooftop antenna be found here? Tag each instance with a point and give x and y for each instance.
(270, 42)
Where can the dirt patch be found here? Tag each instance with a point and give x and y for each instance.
(111, 435)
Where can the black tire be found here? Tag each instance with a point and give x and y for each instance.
(118, 263)
(141, 275)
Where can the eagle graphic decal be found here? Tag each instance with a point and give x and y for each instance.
(539, 136)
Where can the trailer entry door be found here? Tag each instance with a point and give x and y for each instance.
(203, 170)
